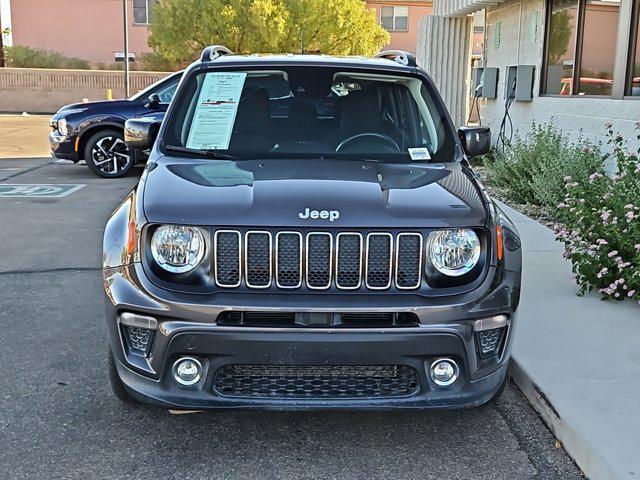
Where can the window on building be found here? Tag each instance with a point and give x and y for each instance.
(581, 47)
(142, 11)
(395, 18)
(633, 82)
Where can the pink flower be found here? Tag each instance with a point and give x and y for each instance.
(612, 254)
(637, 247)
(631, 293)
(602, 241)
(630, 216)
(593, 177)
(605, 215)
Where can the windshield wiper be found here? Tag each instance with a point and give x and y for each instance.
(343, 156)
(201, 153)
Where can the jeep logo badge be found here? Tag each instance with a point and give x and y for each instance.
(324, 214)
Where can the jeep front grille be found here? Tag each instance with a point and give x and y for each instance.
(318, 260)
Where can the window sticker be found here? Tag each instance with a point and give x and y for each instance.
(216, 110)
(419, 153)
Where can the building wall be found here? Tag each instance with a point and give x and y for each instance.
(87, 29)
(408, 40)
(521, 42)
(36, 90)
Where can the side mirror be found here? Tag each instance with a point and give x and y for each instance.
(140, 133)
(154, 101)
(475, 140)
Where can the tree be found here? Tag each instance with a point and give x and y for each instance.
(559, 36)
(180, 29)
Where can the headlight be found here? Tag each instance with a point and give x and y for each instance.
(453, 252)
(176, 248)
(62, 126)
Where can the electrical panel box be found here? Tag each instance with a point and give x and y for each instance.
(489, 80)
(510, 82)
(519, 84)
(524, 83)
(476, 81)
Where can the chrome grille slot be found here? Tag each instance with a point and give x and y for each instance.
(349, 261)
(288, 259)
(258, 259)
(408, 261)
(227, 258)
(319, 254)
(378, 263)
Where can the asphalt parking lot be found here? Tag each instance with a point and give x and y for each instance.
(58, 418)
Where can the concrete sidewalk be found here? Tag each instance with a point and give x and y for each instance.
(577, 360)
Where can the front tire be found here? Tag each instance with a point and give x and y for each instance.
(107, 155)
(117, 387)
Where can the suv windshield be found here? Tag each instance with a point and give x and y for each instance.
(309, 112)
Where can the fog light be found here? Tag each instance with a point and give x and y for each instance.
(187, 371)
(444, 372)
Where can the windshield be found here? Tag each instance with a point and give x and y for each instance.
(309, 112)
(168, 90)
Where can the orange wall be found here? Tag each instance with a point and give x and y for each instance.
(88, 29)
(405, 40)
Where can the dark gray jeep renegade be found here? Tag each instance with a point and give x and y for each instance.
(306, 234)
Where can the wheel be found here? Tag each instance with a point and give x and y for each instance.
(117, 387)
(107, 155)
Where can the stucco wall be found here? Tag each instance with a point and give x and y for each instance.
(408, 40)
(521, 42)
(91, 30)
(45, 91)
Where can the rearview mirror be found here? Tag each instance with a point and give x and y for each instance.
(475, 140)
(141, 133)
(154, 101)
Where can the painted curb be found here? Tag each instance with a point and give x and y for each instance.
(592, 464)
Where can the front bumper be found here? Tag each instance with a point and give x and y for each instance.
(63, 146)
(187, 327)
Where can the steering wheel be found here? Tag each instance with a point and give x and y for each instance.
(379, 136)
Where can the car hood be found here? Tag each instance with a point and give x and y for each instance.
(96, 104)
(277, 193)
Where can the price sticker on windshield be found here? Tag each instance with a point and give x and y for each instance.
(216, 110)
(419, 154)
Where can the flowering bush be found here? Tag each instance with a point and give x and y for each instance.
(601, 225)
(532, 168)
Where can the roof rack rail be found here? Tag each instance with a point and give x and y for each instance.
(398, 56)
(214, 51)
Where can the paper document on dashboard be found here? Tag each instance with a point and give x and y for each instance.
(216, 111)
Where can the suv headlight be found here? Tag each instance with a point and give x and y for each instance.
(62, 126)
(453, 252)
(177, 248)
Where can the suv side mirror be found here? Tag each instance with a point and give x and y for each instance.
(475, 140)
(154, 101)
(141, 133)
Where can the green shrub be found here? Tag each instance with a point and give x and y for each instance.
(21, 56)
(145, 62)
(154, 62)
(601, 231)
(532, 167)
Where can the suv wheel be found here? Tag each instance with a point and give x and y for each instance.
(117, 387)
(107, 155)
